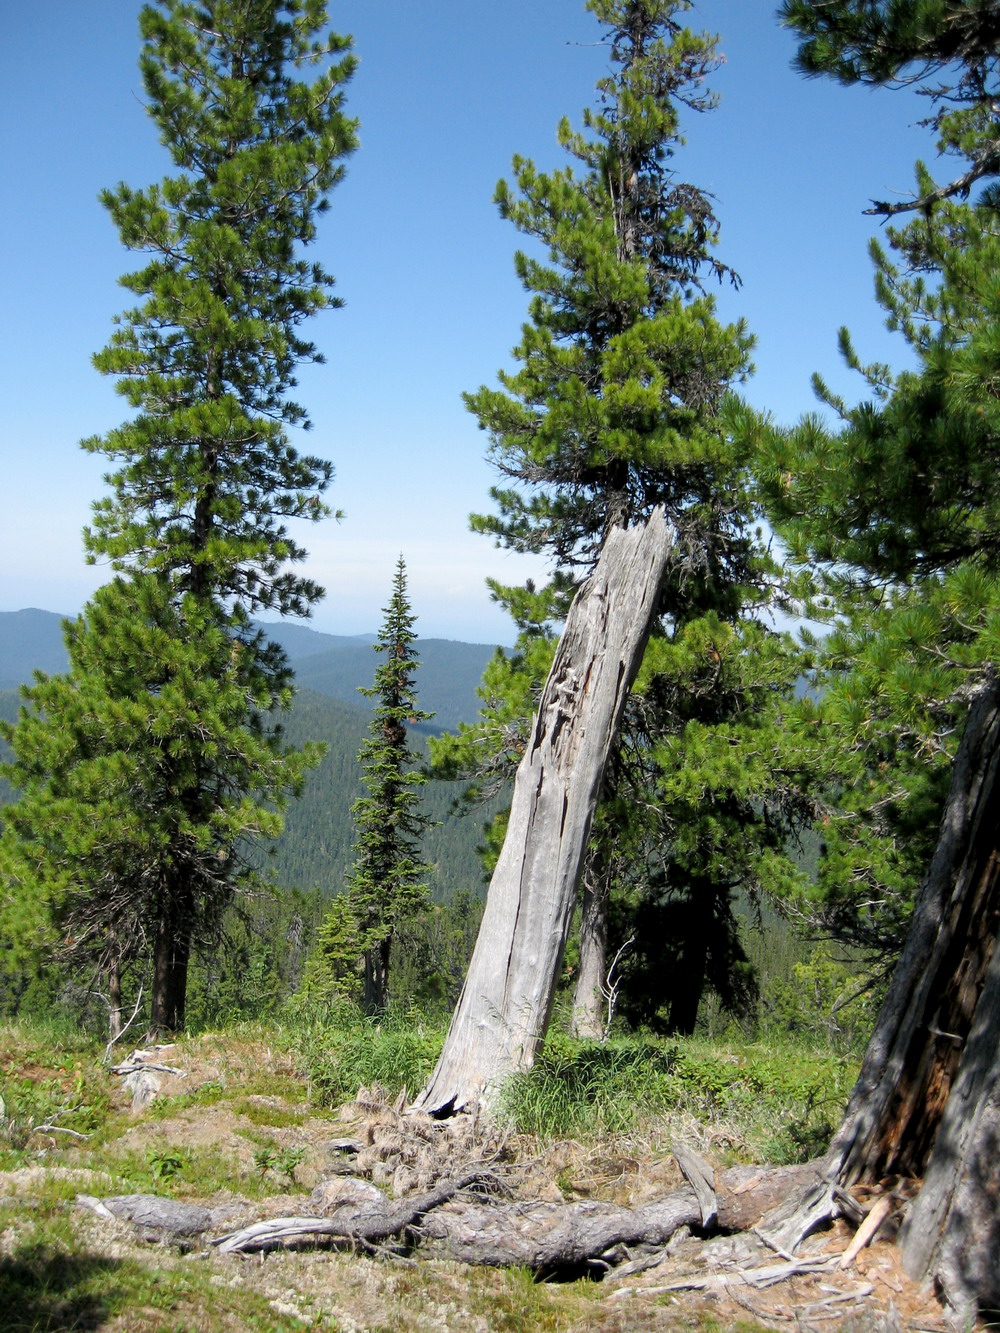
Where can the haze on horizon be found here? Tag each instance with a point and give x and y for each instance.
(423, 263)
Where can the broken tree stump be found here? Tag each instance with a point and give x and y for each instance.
(927, 1101)
(896, 1107)
(504, 1007)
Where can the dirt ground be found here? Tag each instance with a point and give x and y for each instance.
(207, 1115)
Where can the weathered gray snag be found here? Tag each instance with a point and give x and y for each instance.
(504, 1007)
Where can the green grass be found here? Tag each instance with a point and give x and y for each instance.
(261, 1090)
(209, 1094)
(776, 1100)
(54, 1281)
(43, 1084)
(772, 1103)
(395, 1052)
(264, 1113)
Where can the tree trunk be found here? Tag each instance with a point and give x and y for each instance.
(171, 956)
(505, 1003)
(375, 995)
(897, 1104)
(692, 965)
(114, 998)
(551, 1239)
(927, 1101)
(953, 1229)
(588, 1018)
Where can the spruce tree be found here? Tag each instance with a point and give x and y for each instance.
(157, 738)
(387, 886)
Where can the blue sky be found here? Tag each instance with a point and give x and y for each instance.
(446, 94)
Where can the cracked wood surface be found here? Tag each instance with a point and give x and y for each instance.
(505, 1003)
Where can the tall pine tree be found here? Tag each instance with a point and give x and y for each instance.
(614, 409)
(157, 736)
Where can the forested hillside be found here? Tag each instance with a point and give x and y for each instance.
(315, 850)
(449, 674)
(331, 664)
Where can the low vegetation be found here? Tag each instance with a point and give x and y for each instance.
(253, 1120)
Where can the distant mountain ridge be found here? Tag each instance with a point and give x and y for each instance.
(317, 846)
(30, 640)
(331, 664)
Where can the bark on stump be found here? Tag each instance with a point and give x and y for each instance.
(927, 1100)
(505, 1003)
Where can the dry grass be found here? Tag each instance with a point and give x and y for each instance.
(243, 1095)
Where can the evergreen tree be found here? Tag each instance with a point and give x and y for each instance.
(614, 409)
(386, 887)
(895, 508)
(949, 47)
(915, 466)
(156, 736)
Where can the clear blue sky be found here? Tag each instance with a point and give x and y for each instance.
(446, 94)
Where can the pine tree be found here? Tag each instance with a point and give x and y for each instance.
(157, 736)
(206, 474)
(896, 511)
(614, 407)
(895, 508)
(387, 886)
(946, 47)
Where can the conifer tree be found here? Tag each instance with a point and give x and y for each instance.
(157, 736)
(946, 47)
(387, 885)
(895, 507)
(614, 409)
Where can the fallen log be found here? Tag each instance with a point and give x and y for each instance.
(552, 1238)
(371, 1219)
(153, 1217)
(765, 1276)
(549, 1238)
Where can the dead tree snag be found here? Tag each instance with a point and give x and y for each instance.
(927, 1101)
(908, 1072)
(504, 1007)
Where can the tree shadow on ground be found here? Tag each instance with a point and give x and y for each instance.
(44, 1288)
